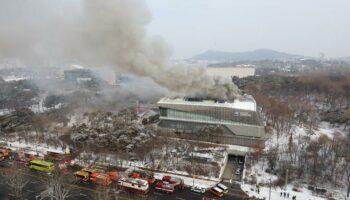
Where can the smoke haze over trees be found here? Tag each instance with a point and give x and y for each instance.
(99, 33)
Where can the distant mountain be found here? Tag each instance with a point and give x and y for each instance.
(259, 54)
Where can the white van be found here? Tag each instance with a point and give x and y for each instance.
(223, 187)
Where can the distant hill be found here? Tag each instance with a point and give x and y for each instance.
(259, 54)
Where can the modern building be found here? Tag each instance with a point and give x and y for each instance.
(238, 71)
(239, 120)
(80, 75)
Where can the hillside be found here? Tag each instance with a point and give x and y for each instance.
(259, 54)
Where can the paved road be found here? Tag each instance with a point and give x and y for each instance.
(230, 170)
(87, 191)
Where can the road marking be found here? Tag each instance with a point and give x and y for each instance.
(180, 198)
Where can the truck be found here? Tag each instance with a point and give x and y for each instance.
(216, 191)
(4, 152)
(100, 179)
(133, 185)
(95, 176)
(169, 184)
(141, 174)
(165, 187)
(177, 182)
(25, 157)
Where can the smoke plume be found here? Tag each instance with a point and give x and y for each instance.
(99, 33)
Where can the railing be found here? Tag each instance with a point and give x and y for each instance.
(232, 140)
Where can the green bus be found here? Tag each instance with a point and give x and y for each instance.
(41, 165)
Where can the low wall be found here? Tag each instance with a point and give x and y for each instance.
(232, 140)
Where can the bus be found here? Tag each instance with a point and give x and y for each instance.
(40, 165)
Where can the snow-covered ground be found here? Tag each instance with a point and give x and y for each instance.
(264, 192)
(189, 181)
(324, 128)
(34, 149)
(14, 78)
(329, 129)
(257, 170)
(5, 111)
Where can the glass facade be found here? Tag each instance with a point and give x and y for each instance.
(214, 115)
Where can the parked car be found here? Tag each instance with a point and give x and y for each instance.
(223, 187)
(198, 189)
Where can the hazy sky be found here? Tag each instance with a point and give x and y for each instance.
(305, 27)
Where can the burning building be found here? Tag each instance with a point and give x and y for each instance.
(239, 120)
(80, 75)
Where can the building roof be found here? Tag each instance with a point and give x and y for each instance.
(240, 72)
(247, 102)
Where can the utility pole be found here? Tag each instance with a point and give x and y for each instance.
(270, 190)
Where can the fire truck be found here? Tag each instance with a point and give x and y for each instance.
(134, 185)
(164, 186)
(4, 152)
(169, 184)
(141, 174)
(24, 158)
(216, 191)
(95, 176)
(177, 182)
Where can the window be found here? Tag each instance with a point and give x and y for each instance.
(38, 165)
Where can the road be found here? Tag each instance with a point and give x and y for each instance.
(87, 191)
(233, 163)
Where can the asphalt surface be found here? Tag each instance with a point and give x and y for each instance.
(87, 191)
(233, 163)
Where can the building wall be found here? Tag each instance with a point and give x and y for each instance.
(240, 127)
(222, 139)
(228, 129)
(240, 72)
(205, 114)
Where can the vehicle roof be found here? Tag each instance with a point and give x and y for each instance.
(41, 162)
(83, 173)
(217, 189)
(93, 170)
(222, 186)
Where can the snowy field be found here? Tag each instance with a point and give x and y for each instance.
(14, 78)
(35, 149)
(189, 181)
(257, 170)
(302, 194)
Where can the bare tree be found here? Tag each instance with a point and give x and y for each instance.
(16, 180)
(55, 190)
(347, 117)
